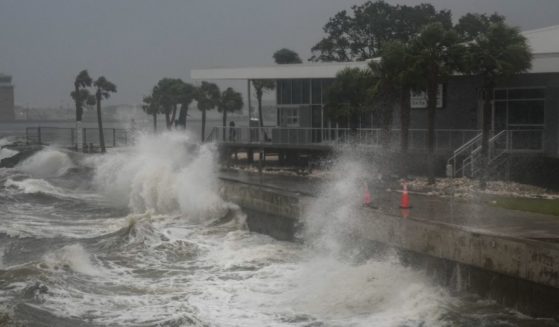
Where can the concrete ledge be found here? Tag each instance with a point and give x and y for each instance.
(519, 273)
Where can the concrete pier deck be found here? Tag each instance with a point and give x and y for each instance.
(468, 215)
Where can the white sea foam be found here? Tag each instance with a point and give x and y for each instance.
(331, 218)
(7, 153)
(74, 257)
(33, 186)
(49, 162)
(166, 173)
(5, 141)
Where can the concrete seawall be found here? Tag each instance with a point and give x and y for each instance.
(519, 273)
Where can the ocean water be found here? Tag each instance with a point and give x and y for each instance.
(142, 237)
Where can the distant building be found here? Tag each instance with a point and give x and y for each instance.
(7, 111)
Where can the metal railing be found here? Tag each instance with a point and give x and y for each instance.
(66, 137)
(445, 139)
(499, 146)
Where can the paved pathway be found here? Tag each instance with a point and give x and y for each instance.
(470, 215)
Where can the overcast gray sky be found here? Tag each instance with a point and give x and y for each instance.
(134, 43)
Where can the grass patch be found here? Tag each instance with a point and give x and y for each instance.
(543, 206)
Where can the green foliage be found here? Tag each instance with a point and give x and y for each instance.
(542, 206)
(83, 79)
(498, 53)
(230, 101)
(471, 25)
(150, 105)
(263, 85)
(350, 94)
(286, 56)
(104, 88)
(80, 94)
(362, 34)
(435, 54)
(82, 98)
(168, 94)
(207, 95)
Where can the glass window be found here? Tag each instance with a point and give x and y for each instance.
(500, 94)
(290, 117)
(306, 91)
(297, 91)
(325, 85)
(526, 112)
(278, 92)
(316, 91)
(286, 92)
(526, 94)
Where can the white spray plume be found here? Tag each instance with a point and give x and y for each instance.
(331, 218)
(165, 173)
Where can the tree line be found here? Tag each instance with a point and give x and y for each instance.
(172, 95)
(416, 48)
(409, 48)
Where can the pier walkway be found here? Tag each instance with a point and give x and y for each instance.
(468, 215)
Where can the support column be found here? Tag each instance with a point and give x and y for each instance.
(79, 136)
(249, 103)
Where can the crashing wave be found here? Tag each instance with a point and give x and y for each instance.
(49, 162)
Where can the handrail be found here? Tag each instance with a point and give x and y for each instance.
(467, 144)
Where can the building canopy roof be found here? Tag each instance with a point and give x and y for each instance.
(544, 43)
(293, 71)
(544, 40)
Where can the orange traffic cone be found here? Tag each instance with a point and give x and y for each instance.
(367, 197)
(405, 202)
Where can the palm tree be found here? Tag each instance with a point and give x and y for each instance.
(104, 89)
(207, 96)
(496, 54)
(185, 97)
(167, 92)
(230, 101)
(395, 76)
(81, 96)
(260, 87)
(349, 95)
(436, 54)
(151, 107)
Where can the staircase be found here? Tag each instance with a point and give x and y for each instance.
(466, 161)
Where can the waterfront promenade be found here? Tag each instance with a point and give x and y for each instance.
(468, 214)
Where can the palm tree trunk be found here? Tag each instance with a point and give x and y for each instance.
(78, 118)
(154, 122)
(174, 114)
(203, 125)
(100, 124)
(404, 119)
(431, 111)
(487, 94)
(182, 116)
(259, 100)
(224, 123)
(168, 119)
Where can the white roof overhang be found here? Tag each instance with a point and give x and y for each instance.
(545, 63)
(292, 71)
